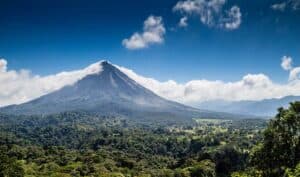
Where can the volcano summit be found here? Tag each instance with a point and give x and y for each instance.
(111, 92)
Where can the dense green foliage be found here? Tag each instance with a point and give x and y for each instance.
(9, 166)
(280, 148)
(82, 144)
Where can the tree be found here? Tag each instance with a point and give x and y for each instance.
(205, 168)
(293, 172)
(280, 148)
(9, 167)
(249, 172)
(229, 159)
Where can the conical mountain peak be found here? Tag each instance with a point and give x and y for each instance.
(107, 91)
(98, 67)
(105, 62)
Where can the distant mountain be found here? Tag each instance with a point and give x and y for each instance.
(265, 108)
(111, 92)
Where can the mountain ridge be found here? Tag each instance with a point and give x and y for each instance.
(262, 108)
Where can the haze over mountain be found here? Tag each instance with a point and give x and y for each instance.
(263, 108)
(110, 92)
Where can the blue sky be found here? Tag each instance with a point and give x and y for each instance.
(47, 37)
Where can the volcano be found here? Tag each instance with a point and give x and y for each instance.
(110, 92)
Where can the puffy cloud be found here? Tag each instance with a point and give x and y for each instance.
(183, 22)
(250, 87)
(286, 63)
(294, 74)
(153, 32)
(3, 65)
(279, 6)
(211, 13)
(189, 6)
(289, 4)
(233, 19)
(21, 86)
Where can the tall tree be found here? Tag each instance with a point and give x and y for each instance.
(280, 148)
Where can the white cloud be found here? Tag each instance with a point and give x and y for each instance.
(286, 63)
(183, 22)
(189, 6)
(233, 18)
(211, 13)
(21, 86)
(153, 32)
(294, 74)
(279, 6)
(250, 87)
(289, 4)
(3, 65)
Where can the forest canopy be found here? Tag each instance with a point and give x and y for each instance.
(83, 144)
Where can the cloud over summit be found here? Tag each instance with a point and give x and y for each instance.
(250, 87)
(21, 86)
